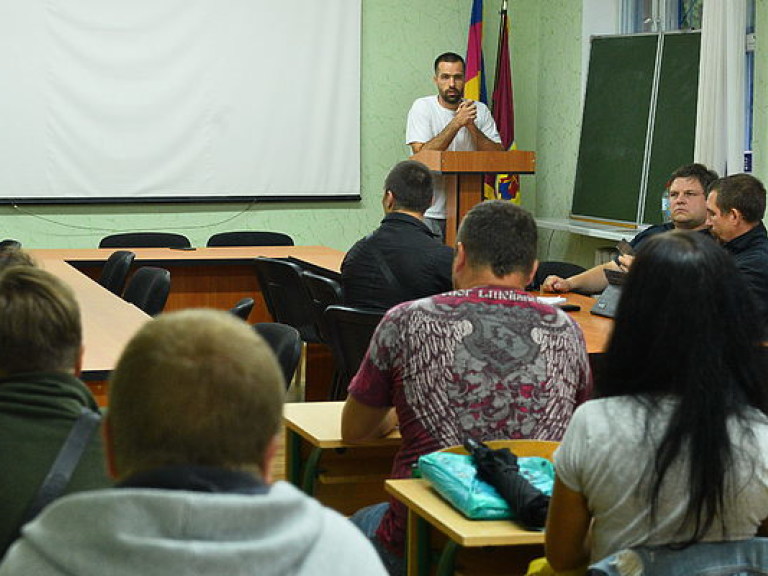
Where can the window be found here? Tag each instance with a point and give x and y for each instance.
(665, 15)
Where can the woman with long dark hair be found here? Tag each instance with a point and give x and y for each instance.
(674, 450)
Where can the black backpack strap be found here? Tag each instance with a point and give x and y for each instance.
(389, 276)
(64, 465)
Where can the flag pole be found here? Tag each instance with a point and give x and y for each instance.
(503, 13)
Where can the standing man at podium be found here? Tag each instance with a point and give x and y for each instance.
(449, 122)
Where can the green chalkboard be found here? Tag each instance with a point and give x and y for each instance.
(621, 106)
(675, 126)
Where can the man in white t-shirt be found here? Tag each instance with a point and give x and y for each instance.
(449, 122)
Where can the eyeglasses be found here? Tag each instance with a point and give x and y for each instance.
(688, 194)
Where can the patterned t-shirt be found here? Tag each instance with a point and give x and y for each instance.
(490, 362)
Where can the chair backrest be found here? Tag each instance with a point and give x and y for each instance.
(115, 271)
(145, 240)
(324, 292)
(148, 289)
(242, 309)
(562, 269)
(349, 333)
(285, 342)
(286, 297)
(521, 447)
(8, 243)
(255, 238)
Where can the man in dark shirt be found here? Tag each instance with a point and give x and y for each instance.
(401, 260)
(688, 211)
(735, 209)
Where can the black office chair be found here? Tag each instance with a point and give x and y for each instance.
(324, 292)
(285, 342)
(115, 271)
(349, 334)
(286, 297)
(145, 240)
(148, 289)
(562, 269)
(242, 309)
(256, 238)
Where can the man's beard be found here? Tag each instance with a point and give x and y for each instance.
(452, 96)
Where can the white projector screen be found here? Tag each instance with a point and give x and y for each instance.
(142, 100)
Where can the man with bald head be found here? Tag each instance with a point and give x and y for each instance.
(195, 410)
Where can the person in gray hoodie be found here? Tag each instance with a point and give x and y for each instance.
(195, 407)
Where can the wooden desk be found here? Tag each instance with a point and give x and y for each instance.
(204, 277)
(426, 510)
(596, 329)
(343, 476)
(108, 321)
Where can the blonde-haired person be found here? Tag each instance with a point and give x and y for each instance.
(195, 409)
(41, 396)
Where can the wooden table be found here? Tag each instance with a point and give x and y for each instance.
(427, 510)
(344, 476)
(204, 277)
(108, 321)
(596, 329)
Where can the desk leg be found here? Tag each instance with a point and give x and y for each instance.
(417, 546)
(293, 457)
(310, 471)
(447, 563)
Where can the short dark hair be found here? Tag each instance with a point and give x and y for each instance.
(704, 175)
(41, 330)
(411, 184)
(742, 192)
(499, 235)
(449, 57)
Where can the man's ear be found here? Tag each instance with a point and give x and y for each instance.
(460, 257)
(106, 434)
(388, 201)
(269, 458)
(78, 367)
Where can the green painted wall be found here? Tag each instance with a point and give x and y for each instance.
(400, 41)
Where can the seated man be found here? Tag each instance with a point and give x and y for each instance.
(40, 395)
(736, 206)
(688, 210)
(487, 361)
(401, 260)
(195, 410)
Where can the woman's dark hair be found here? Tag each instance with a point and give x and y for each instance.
(685, 328)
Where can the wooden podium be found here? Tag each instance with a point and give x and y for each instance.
(463, 177)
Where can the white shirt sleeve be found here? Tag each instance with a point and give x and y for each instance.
(419, 125)
(570, 455)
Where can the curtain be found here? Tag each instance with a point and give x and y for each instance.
(720, 110)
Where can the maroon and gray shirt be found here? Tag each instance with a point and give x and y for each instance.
(490, 362)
